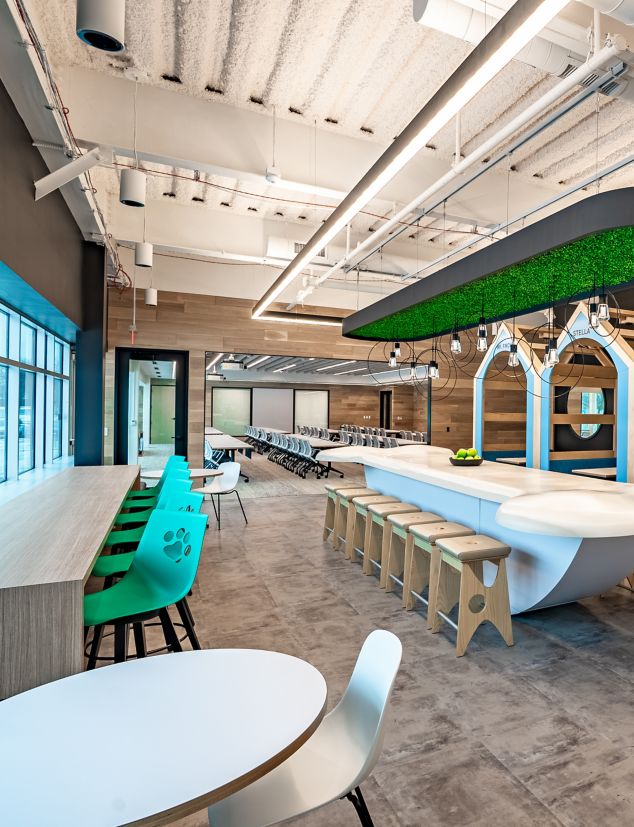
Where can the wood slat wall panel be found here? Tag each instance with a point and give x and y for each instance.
(198, 323)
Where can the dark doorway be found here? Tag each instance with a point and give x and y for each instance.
(150, 400)
(385, 411)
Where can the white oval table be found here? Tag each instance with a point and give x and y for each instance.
(148, 741)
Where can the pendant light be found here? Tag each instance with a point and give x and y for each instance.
(397, 348)
(412, 370)
(143, 251)
(392, 360)
(273, 173)
(603, 310)
(482, 343)
(514, 358)
(433, 370)
(593, 307)
(553, 356)
(133, 180)
(456, 346)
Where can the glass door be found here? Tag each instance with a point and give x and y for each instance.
(150, 406)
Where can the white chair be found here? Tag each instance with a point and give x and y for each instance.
(336, 759)
(226, 484)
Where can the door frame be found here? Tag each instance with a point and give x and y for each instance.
(122, 396)
(385, 407)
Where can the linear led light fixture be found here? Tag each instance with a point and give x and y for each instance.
(524, 20)
(343, 372)
(258, 361)
(337, 365)
(285, 367)
(64, 175)
(290, 318)
(214, 361)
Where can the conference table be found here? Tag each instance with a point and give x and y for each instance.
(230, 445)
(212, 432)
(51, 537)
(184, 731)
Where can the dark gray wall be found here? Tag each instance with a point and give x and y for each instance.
(41, 243)
(38, 240)
(89, 364)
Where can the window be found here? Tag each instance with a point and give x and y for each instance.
(26, 421)
(4, 333)
(35, 395)
(4, 378)
(58, 358)
(27, 343)
(58, 414)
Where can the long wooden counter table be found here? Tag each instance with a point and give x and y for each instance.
(51, 537)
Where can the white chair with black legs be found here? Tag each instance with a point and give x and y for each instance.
(335, 760)
(226, 484)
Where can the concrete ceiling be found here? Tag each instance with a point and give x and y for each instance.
(343, 77)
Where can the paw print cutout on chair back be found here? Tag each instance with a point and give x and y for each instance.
(177, 544)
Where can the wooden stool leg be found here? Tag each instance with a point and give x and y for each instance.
(372, 545)
(351, 527)
(337, 525)
(329, 519)
(408, 598)
(434, 585)
(447, 593)
(391, 557)
(498, 607)
(419, 571)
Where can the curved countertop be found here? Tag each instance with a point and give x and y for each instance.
(532, 500)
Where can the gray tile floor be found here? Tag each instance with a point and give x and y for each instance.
(539, 734)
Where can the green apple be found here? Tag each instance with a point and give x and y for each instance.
(472, 452)
(469, 458)
(461, 459)
(461, 454)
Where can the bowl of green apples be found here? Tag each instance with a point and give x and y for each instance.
(466, 458)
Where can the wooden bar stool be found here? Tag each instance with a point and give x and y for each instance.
(422, 558)
(377, 532)
(333, 522)
(461, 560)
(393, 566)
(355, 526)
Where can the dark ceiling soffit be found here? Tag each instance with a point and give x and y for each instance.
(605, 211)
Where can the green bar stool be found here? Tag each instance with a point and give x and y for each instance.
(459, 579)
(355, 525)
(398, 525)
(422, 559)
(171, 486)
(152, 494)
(377, 532)
(161, 574)
(336, 509)
(110, 565)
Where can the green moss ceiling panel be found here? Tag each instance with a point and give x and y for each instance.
(554, 259)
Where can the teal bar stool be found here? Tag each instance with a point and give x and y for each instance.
(109, 565)
(161, 575)
(173, 463)
(150, 495)
(170, 487)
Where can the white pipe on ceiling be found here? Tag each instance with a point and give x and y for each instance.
(602, 57)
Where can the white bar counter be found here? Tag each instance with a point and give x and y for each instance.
(572, 537)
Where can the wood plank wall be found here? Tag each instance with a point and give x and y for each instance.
(198, 323)
(504, 409)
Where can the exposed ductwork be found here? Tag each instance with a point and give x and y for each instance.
(463, 21)
(621, 10)
(560, 49)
